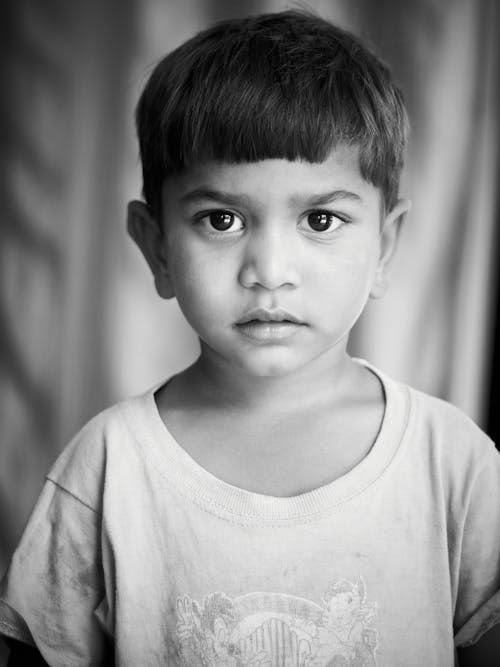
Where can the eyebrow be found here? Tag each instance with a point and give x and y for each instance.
(323, 198)
(221, 196)
(213, 195)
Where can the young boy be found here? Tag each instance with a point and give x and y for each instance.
(277, 502)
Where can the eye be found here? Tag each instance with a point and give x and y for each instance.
(323, 221)
(222, 221)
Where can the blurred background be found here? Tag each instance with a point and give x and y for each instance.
(80, 324)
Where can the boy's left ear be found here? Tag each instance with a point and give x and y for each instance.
(389, 235)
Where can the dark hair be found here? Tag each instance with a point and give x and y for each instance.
(286, 85)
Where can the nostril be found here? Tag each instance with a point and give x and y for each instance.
(268, 275)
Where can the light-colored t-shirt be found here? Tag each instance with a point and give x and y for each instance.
(390, 565)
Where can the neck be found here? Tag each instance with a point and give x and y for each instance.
(321, 381)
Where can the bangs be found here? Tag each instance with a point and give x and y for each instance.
(270, 87)
(247, 124)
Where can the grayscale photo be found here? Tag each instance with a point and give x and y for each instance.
(250, 333)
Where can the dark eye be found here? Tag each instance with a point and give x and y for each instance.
(223, 221)
(322, 221)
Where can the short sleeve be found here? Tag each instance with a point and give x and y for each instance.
(478, 601)
(54, 582)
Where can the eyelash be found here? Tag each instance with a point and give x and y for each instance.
(321, 212)
(329, 214)
(203, 216)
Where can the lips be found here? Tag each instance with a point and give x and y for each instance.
(263, 315)
(269, 326)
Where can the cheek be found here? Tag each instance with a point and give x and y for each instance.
(345, 279)
(199, 284)
(187, 272)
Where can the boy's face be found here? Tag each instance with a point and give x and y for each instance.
(272, 262)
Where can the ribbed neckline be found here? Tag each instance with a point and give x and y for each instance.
(169, 459)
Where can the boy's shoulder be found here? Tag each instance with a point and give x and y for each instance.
(108, 437)
(442, 454)
(109, 425)
(445, 431)
(444, 418)
(433, 429)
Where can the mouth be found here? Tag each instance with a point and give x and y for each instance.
(269, 325)
(262, 315)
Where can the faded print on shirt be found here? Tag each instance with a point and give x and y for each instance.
(273, 629)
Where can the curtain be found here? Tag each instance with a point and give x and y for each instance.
(434, 328)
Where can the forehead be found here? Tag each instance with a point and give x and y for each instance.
(275, 180)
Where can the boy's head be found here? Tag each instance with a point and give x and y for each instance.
(286, 85)
(271, 148)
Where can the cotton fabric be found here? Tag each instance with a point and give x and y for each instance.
(391, 564)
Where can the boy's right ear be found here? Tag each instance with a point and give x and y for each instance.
(147, 232)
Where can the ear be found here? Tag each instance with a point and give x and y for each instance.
(146, 231)
(389, 235)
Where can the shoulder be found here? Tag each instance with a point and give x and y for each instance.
(447, 447)
(437, 438)
(435, 423)
(447, 427)
(447, 461)
(87, 461)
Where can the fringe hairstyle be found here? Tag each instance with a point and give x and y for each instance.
(285, 85)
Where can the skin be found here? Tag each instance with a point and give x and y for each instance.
(263, 401)
(275, 260)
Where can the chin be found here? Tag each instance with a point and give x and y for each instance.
(270, 368)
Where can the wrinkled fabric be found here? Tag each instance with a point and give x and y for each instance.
(393, 563)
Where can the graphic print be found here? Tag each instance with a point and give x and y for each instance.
(278, 630)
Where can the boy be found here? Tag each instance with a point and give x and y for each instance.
(277, 502)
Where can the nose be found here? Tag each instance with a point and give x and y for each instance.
(270, 261)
